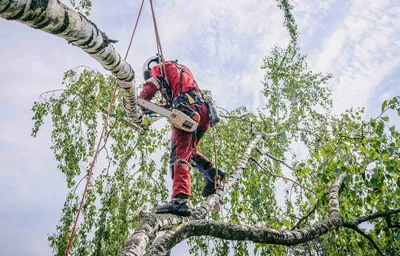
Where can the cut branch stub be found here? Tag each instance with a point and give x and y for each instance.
(55, 18)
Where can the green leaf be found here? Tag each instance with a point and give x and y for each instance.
(286, 223)
(346, 158)
(384, 104)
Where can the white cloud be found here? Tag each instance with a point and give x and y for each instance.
(332, 50)
(361, 52)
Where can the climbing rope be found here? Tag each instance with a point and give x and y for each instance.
(71, 237)
(217, 178)
(158, 42)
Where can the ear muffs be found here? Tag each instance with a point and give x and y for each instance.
(146, 70)
(147, 74)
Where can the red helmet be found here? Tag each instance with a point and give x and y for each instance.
(148, 64)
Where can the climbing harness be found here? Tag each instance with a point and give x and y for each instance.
(100, 140)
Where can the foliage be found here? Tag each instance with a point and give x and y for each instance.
(83, 5)
(297, 104)
(126, 179)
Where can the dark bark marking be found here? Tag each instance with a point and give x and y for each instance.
(18, 15)
(42, 4)
(117, 63)
(86, 45)
(31, 16)
(97, 50)
(64, 25)
(42, 22)
(6, 8)
(36, 4)
(109, 60)
(95, 35)
(106, 59)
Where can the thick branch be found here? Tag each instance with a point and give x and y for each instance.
(374, 216)
(146, 231)
(149, 226)
(55, 18)
(359, 231)
(252, 233)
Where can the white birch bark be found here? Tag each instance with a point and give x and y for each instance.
(55, 18)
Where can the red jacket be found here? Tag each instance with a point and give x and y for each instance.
(153, 84)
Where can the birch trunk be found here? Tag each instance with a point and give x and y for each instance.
(55, 18)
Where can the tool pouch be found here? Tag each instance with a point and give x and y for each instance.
(212, 113)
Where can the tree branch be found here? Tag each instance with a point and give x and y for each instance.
(359, 231)
(312, 133)
(390, 224)
(281, 176)
(55, 18)
(376, 215)
(164, 244)
(354, 224)
(263, 152)
(305, 217)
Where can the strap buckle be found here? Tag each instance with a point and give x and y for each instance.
(217, 181)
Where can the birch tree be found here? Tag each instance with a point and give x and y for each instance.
(350, 176)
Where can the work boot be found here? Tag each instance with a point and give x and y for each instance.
(209, 187)
(178, 206)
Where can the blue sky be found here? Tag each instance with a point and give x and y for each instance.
(223, 42)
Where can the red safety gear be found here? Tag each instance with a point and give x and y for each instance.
(173, 74)
(182, 143)
(182, 146)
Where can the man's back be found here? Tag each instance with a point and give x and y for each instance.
(173, 73)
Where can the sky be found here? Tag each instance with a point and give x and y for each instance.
(223, 42)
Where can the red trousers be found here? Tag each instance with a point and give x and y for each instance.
(182, 147)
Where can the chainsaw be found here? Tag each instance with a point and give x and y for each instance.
(180, 117)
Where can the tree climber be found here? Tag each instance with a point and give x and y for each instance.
(177, 85)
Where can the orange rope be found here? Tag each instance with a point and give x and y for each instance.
(71, 237)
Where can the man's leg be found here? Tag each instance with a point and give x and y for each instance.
(181, 151)
(208, 167)
(198, 157)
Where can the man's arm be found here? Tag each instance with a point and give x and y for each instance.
(152, 85)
